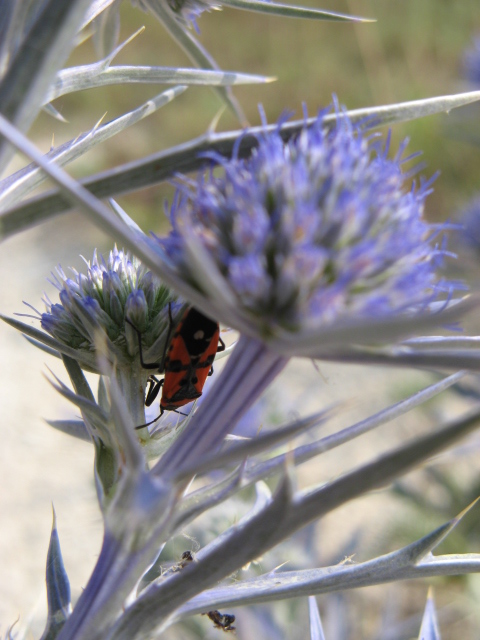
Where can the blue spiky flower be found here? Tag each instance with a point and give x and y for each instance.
(306, 233)
(188, 11)
(102, 299)
(471, 62)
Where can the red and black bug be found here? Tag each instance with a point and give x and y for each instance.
(187, 361)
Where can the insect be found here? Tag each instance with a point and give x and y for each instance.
(221, 620)
(186, 363)
(186, 558)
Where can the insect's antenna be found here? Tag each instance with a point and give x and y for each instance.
(147, 424)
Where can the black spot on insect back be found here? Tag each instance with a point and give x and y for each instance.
(197, 331)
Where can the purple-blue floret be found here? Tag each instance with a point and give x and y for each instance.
(187, 12)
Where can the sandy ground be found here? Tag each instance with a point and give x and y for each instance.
(39, 466)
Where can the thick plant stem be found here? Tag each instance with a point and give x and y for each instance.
(249, 370)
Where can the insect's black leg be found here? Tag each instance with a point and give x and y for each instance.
(180, 412)
(210, 373)
(153, 390)
(221, 346)
(145, 365)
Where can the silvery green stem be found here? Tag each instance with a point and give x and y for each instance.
(193, 48)
(291, 11)
(285, 514)
(131, 383)
(157, 602)
(413, 560)
(134, 524)
(263, 443)
(260, 470)
(292, 584)
(247, 373)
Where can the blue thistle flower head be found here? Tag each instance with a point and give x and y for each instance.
(471, 62)
(102, 298)
(304, 233)
(188, 11)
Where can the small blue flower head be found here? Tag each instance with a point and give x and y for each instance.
(101, 299)
(186, 12)
(306, 233)
(471, 62)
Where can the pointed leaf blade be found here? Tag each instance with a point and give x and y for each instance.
(194, 50)
(43, 51)
(22, 182)
(306, 452)
(255, 445)
(291, 11)
(52, 345)
(316, 629)
(89, 77)
(58, 587)
(376, 474)
(429, 629)
(75, 428)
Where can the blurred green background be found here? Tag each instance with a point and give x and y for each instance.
(412, 51)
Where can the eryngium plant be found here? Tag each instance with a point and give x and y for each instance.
(306, 237)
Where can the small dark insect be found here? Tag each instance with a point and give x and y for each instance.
(186, 559)
(221, 620)
(186, 363)
(187, 556)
